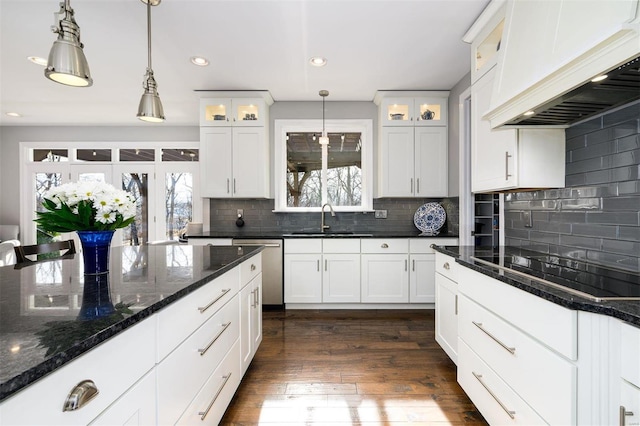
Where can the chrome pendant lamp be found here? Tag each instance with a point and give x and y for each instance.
(324, 139)
(150, 108)
(67, 63)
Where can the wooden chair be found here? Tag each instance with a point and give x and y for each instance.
(23, 251)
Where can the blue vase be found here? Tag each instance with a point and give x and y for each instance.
(95, 251)
(96, 297)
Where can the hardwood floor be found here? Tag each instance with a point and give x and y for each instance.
(374, 367)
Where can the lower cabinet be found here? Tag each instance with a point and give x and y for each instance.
(302, 278)
(250, 321)
(385, 278)
(341, 278)
(137, 407)
(447, 316)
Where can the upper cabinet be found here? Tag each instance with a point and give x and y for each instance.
(227, 111)
(486, 45)
(423, 110)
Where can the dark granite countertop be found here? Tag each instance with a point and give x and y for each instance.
(315, 233)
(41, 305)
(605, 283)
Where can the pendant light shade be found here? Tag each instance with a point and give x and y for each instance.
(67, 63)
(150, 108)
(324, 139)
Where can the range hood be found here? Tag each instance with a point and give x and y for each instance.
(621, 86)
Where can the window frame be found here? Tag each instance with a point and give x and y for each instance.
(282, 127)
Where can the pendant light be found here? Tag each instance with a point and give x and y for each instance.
(324, 139)
(67, 63)
(150, 108)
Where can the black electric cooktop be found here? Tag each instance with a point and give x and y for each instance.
(576, 276)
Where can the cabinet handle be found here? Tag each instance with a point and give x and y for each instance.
(446, 266)
(405, 264)
(325, 264)
(417, 185)
(227, 185)
(411, 185)
(253, 296)
(234, 185)
(506, 165)
(204, 413)
(217, 336)
(623, 415)
(384, 245)
(511, 413)
(318, 265)
(413, 265)
(257, 297)
(80, 395)
(456, 305)
(253, 267)
(512, 351)
(224, 291)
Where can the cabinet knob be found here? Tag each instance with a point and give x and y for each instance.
(446, 266)
(80, 395)
(253, 267)
(384, 245)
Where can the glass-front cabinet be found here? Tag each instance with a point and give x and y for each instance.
(414, 111)
(247, 112)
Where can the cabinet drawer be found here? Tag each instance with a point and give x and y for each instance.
(250, 269)
(114, 366)
(423, 245)
(497, 402)
(447, 266)
(180, 319)
(341, 245)
(630, 348)
(202, 352)
(546, 381)
(303, 245)
(553, 325)
(385, 245)
(209, 405)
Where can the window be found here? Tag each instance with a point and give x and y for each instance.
(308, 175)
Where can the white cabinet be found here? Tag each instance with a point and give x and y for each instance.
(512, 158)
(137, 407)
(302, 273)
(446, 289)
(236, 112)
(250, 320)
(234, 162)
(341, 271)
(385, 278)
(413, 145)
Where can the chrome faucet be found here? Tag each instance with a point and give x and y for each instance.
(323, 226)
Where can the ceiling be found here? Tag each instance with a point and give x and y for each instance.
(251, 45)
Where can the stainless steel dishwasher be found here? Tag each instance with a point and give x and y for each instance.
(272, 282)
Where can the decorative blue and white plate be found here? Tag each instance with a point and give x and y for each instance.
(429, 218)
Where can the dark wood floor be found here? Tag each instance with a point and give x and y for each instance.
(350, 368)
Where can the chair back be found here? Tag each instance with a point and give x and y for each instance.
(7, 252)
(23, 251)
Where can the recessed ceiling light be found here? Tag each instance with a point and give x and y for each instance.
(38, 60)
(199, 61)
(599, 78)
(318, 61)
(529, 113)
(13, 114)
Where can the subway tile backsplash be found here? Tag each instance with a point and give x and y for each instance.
(597, 216)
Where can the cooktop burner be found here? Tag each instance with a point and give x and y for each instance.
(585, 279)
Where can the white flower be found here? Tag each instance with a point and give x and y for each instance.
(106, 217)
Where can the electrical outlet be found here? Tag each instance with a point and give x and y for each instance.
(381, 214)
(526, 218)
(240, 212)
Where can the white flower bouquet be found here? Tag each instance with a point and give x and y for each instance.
(86, 206)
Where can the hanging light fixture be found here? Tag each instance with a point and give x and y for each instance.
(67, 63)
(150, 108)
(324, 139)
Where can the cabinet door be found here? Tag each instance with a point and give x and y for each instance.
(396, 162)
(215, 112)
(422, 278)
(431, 162)
(385, 278)
(397, 112)
(493, 152)
(447, 316)
(431, 111)
(629, 410)
(302, 278)
(250, 112)
(249, 163)
(247, 303)
(341, 278)
(256, 317)
(136, 407)
(215, 161)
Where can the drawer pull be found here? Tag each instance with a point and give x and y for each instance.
(623, 415)
(80, 395)
(456, 305)
(384, 245)
(511, 413)
(220, 296)
(206, 348)
(253, 295)
(512, 351)
(256, 295)
(204, 413)
(253, 267)
(446, 266)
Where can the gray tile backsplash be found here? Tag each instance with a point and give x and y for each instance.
(597, 216)
(260, 218)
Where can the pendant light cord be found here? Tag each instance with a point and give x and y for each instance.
(149, 31)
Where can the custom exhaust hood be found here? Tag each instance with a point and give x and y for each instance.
(621, 86)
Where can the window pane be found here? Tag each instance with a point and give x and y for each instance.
(180, 155)
(137, 154)
(179, 203)
(137, 184)
(43, 183)
(344, 169)
(94, 155)
(50, 155)
(304, 170)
